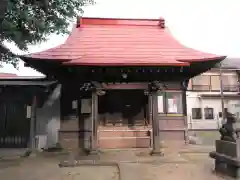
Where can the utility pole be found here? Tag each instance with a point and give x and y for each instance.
(221, 91)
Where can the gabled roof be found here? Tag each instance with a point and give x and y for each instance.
(231, 63)
(122, 42)
(13, 79)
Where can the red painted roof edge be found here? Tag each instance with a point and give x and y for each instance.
(128, 19)
(31, 55)
(53, 59)
(120, 21)
(22, 78)
(12, 76)
(125, 64)
(203, 59)
(8, 75)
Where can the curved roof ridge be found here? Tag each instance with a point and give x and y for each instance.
(121, 21)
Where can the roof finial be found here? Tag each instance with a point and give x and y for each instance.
(161, 23)
(78, 22)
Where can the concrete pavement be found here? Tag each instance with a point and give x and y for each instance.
(189, 163)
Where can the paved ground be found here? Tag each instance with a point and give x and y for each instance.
(206, 137)
(190, 163)
(47, 169)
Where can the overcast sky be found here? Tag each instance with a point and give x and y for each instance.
(207, 25)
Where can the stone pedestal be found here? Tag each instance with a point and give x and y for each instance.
(227, 154)
(226, 157)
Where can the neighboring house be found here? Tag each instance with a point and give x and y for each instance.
(17, 94)
(7, 75)
(204, 96)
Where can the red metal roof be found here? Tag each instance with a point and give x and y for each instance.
(120, 42)
(7, 75)
(4, 76)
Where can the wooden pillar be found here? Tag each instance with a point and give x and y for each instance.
(150, 110)
(69, 132)
(32, 138)
(184, 105)
(94, 118)
(156, 149)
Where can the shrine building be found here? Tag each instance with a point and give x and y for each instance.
(123, 83)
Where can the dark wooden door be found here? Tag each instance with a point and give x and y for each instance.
(124, 114)
(14, 125)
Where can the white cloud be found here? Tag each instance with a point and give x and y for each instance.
(211, 26)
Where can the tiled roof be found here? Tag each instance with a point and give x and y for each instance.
(119, 42)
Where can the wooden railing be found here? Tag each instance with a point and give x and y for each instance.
(201, 88)
(226, 88)
(231, 88)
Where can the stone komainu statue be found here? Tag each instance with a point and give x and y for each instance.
(230, 130)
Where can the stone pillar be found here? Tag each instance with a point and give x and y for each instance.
(94, 118)
(156, 149)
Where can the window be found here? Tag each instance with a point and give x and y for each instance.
(196, 113)
(201, 83)
(208, 113)
(170, 102)
(160, 103)
(230, 79)
(215, 83)
(174, 102)
(230, 82)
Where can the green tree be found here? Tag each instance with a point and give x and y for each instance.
(30, 21)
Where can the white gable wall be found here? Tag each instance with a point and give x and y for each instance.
(194, 100)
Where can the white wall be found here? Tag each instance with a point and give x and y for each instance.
(194, 100)
(48, 121)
